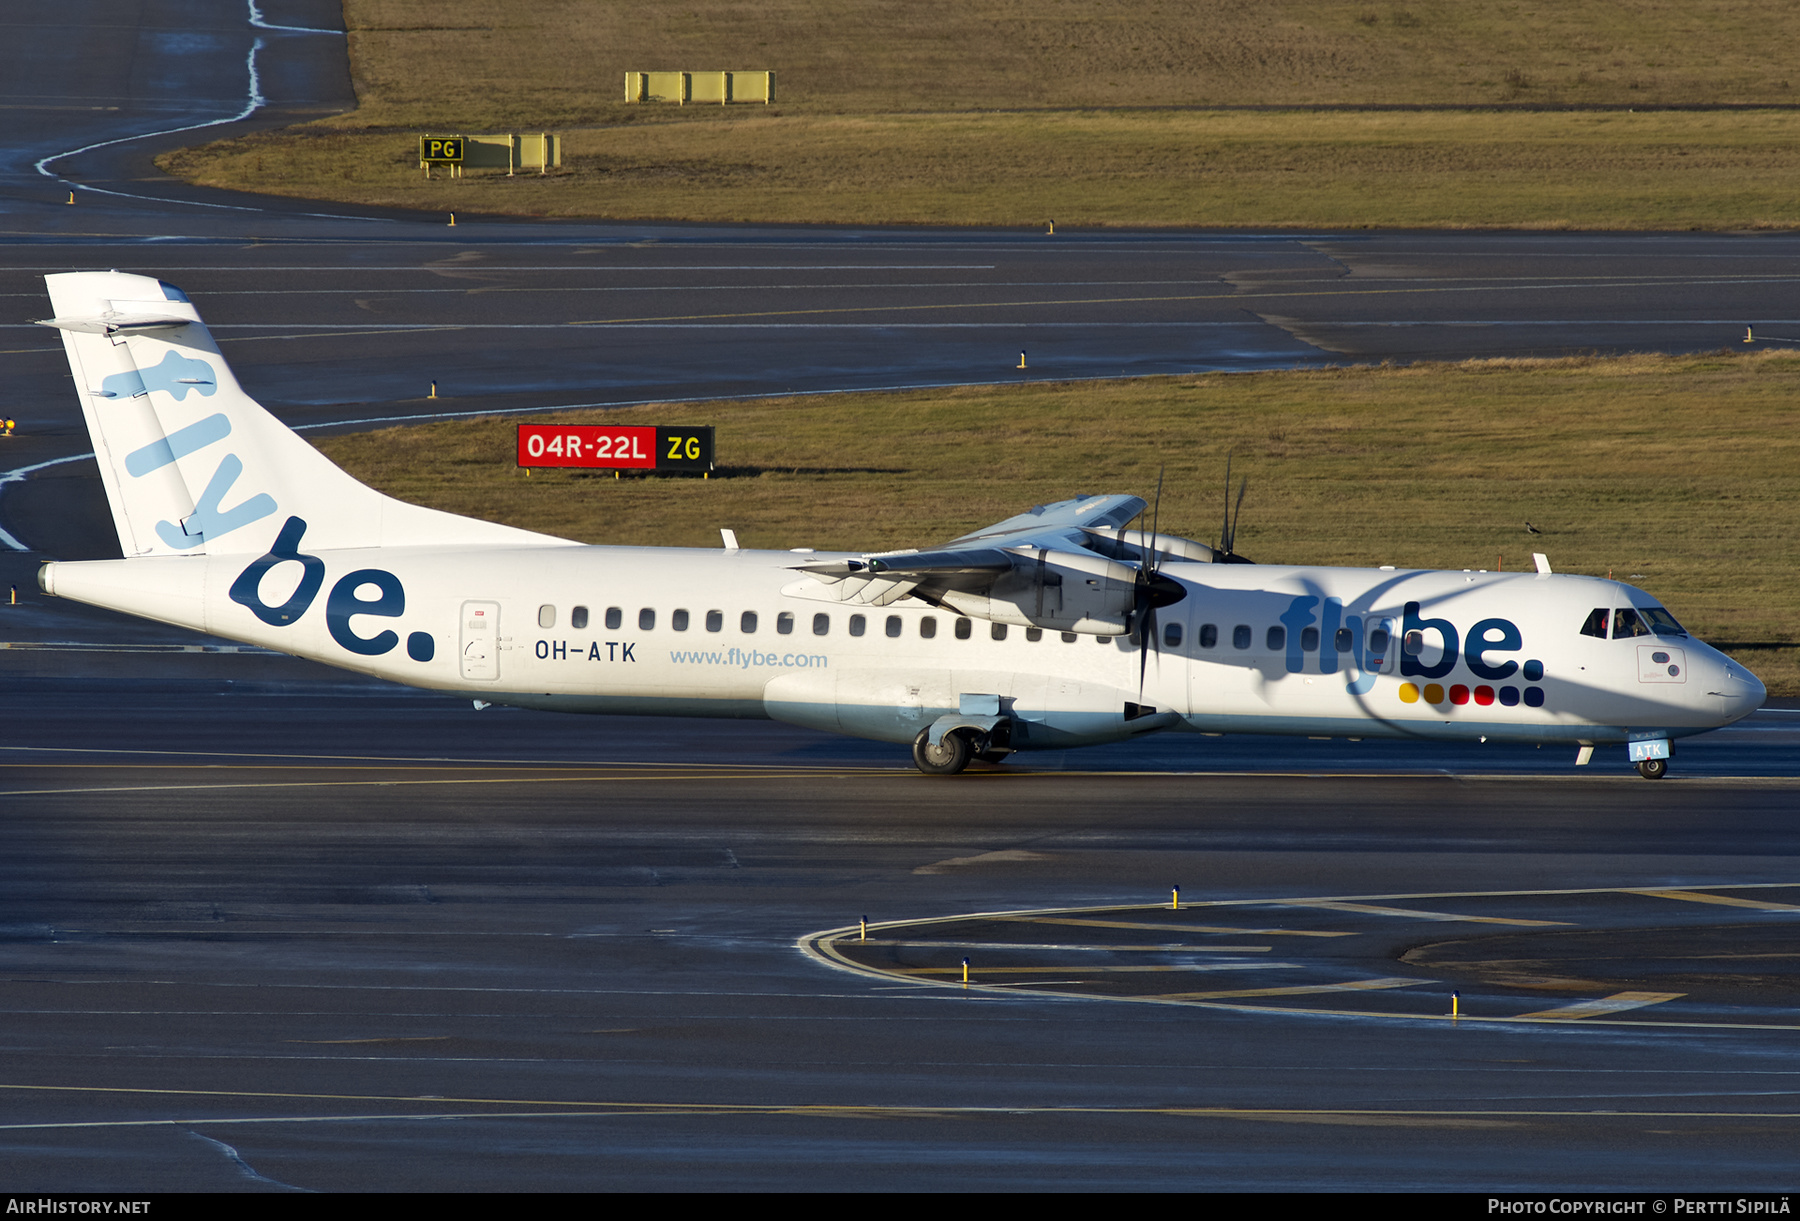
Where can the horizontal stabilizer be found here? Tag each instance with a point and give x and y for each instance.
(116, 323)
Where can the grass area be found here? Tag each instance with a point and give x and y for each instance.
(1681, 475)
(1611, 170)
(1003, 112)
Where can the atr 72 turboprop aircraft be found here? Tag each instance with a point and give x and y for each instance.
(1059, 627)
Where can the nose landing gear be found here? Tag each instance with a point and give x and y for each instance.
(1651, 756)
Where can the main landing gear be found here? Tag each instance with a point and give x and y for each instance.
(947, 758)
(955, 752)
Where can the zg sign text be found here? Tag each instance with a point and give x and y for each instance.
(626, 447)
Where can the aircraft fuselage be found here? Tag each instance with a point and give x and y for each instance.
(666, 631)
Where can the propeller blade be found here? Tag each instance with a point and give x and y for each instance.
(1225, 521)
(1148, 589)
(1156, 518)
(1146, 632)
(1243, 486)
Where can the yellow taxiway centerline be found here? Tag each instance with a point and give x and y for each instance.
(1369, 909)
(1177, 928)
(1618, 1002)
(1695, 896)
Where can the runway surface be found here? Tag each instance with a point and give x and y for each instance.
(268, 927)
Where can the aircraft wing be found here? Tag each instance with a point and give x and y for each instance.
(1067, 566)
(1063, 520)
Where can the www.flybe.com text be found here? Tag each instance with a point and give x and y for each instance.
(744, 659)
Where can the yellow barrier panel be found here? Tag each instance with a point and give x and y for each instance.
(511, 153)
(540, 152)
(751, 87)
(708, 87)
(684, 87)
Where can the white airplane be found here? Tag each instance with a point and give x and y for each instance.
(1059, 627)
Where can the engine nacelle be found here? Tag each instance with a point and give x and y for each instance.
(1059, 591)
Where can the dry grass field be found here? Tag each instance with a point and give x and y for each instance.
(1681, 475)
(1003, 112)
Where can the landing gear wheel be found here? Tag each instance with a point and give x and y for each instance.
(945, 759)
(1653, 769)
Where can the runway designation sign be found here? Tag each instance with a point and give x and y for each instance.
(631, 447)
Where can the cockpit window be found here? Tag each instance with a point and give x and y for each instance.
(1630, 621)
(1596, 622)
(1660, 621)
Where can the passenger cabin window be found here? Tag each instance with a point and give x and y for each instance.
(546, 616)
(1209, 635)
(821, 624)
(578, 618)
(679, 620)
(1240, 636)
(963, 629)
(1276, 638)
(1414, 643)
(715, 621)
(784, 623)
(1344, 641)
(858, 625)
(893, 626)
(1309, 639)
(997, 631)
(646, 619)
(1172, 635)
(614, 617)
(1378, 645)
(747, 623)
(927, 627)
(1596, 622)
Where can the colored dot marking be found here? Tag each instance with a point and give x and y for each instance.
(1459, 694)
(1434, 693)
(1409, 693)
(1484, 696)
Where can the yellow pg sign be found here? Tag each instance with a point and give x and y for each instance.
(441, 149)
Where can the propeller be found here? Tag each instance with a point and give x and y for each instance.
(1153, 590)
(1228, 528)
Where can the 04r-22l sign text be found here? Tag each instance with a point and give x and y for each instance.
(617, 447)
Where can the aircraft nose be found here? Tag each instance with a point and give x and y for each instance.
(1740, 691)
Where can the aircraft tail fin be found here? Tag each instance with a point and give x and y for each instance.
(192, 465)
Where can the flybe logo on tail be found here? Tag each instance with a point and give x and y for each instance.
(348, 598)
(210, 519)
(177, 374)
